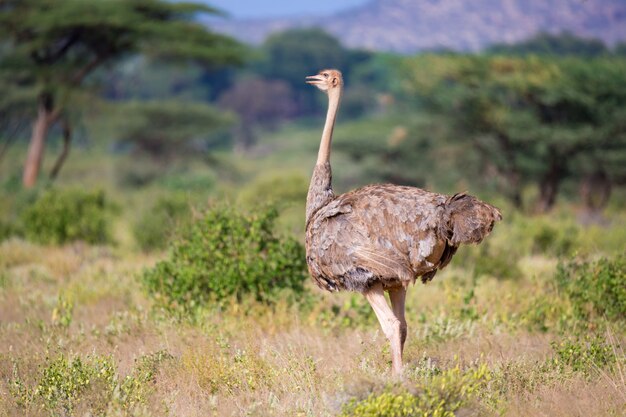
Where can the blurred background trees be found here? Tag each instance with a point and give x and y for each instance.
(52, 48)
(533, 121)
(169, 101)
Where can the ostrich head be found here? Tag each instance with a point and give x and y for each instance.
(326, 80)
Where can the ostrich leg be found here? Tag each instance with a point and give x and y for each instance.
(389, 323)
(397, 297)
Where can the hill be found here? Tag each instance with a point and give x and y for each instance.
(408, 25)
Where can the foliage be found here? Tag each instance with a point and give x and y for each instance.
(582, 355)
(498, 264)
(532, 120)
(545, 43)
(63, 312)
(64, 215)
(295, 53)
(595, 289)
(275, 189)
(6, 230)
(164, 128)
(63, 381)
(228, 253)
(135, 388)
(549, 239)
(442, 395)
(258, 102)
(52, 49)
(139, 77)
(156, 226)
(65, 385)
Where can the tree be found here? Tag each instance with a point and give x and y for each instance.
(55, 46)
(549, 44)
(295, 53)
(258, 102)
(163, 129)
(534, 120)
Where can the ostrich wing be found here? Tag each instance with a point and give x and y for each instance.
(379, 232)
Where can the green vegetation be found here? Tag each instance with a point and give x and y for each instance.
(52, 48)
(68, 386)
(155, 227)
(443, 395)
(174, 290)
(226, 254)
(595, 289)
(60, 216)
(531, 120)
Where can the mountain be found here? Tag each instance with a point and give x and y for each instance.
(465, 25)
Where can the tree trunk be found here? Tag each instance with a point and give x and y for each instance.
(244, 137)
(549, 187)
(45, 119)
(67, 140)
(595, 191)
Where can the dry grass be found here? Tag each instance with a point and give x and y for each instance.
(80, 301)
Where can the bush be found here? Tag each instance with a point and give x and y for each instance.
(156, 226)
(228, 253)
(440, 396)
(496, 264)
(60, 216)
(595, 288)
(6, 230)
(86, 385)
(583, 355)
(558, 241)
(63, 382)
(275, 189)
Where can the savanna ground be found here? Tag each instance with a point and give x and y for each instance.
(529, 323)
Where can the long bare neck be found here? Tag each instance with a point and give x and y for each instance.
(334, 97)
(320, 188)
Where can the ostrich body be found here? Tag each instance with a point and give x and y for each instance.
(382, 237)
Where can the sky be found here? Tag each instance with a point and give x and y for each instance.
(276, 8)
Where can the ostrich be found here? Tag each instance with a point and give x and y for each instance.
(382, 237)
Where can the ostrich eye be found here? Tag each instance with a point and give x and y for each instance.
(325, 75)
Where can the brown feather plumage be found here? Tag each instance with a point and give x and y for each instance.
(392, 234)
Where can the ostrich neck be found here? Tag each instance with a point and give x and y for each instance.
(320, 188)
(334, 97)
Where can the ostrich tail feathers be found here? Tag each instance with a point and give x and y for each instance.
(467, 219)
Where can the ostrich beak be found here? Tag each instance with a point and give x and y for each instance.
(314, 79)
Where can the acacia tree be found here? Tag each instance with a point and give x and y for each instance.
(535, 120)
(55, 45)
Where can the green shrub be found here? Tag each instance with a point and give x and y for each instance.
(156, 226)
(558, 241)
(440, 396)
(283, 188)
(228, 253)
(582, 355)
(595, 288)
(497, 264)
(60, 216)
(63, 382)
(6, 230)
(86, 386)
(136, 387)
(188, 181)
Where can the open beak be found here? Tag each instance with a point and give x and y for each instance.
(314, 79)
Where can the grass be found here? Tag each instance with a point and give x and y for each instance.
(79, 311)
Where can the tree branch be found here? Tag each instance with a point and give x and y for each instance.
(67, 140)
(80, 75)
